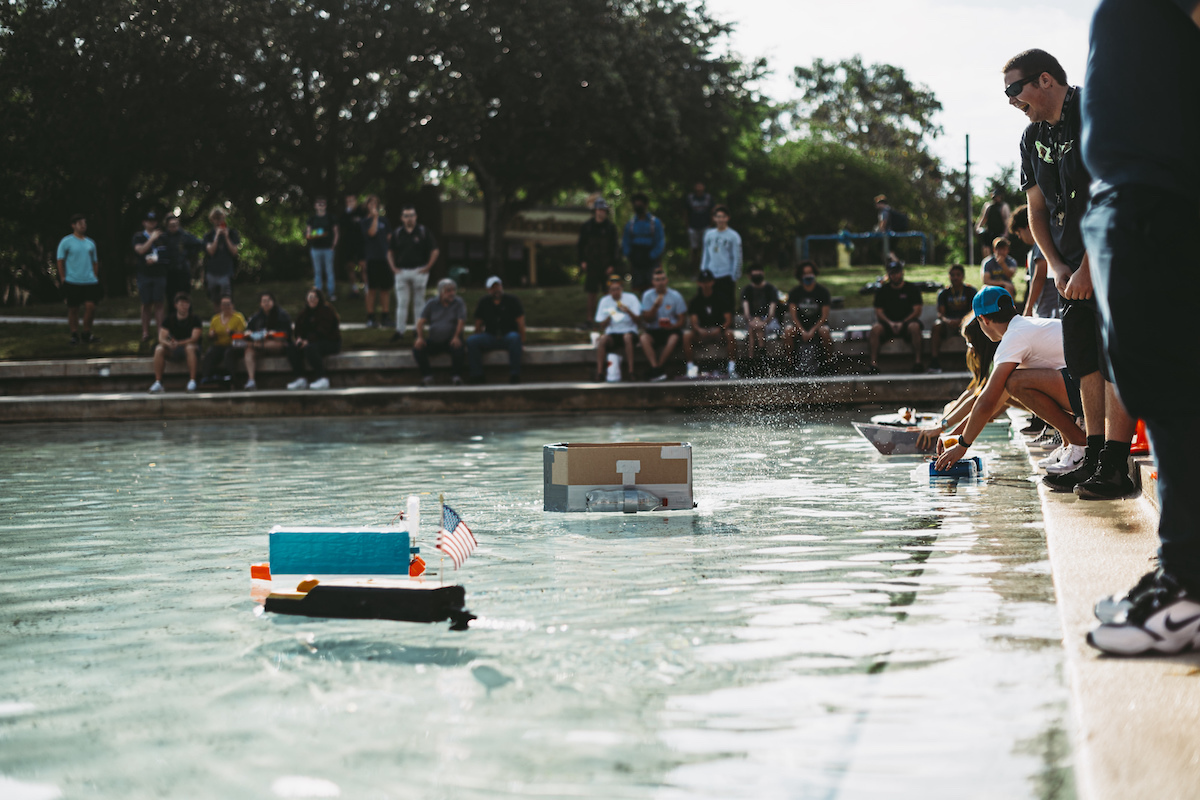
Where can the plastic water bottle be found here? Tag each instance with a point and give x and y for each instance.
(627, 500)
(614, 368)
(413, 517)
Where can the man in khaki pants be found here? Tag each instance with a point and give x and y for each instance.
(415, 251)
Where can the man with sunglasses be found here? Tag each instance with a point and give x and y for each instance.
(1056, 183)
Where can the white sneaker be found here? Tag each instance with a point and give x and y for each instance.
(191, 386)
(733, 369)
(1053, 458)
(1071, 458)
(693, 371)
(156, 388)
(299, 383)
(250, 386)
(319, 383)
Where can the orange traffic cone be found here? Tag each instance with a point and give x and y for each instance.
(1141, 443)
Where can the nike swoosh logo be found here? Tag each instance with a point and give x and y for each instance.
(1173, 626)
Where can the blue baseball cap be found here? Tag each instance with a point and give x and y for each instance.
(987, 300)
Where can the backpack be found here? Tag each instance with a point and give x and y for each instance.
(897, 221)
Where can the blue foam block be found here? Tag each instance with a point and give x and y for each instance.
(339, 552)
(964, 468)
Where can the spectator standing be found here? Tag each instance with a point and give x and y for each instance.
(1056, 183)
(760, 307)
(712, 321)
(597, 254)
(723, 257)
(499, 325)
(178, 340)
(321, 232)
(445, 317)
(617, 314)
(992, 222)
(225, 324)
(643, 243)
(268, 331)
(78, 276)
(1041, 295)
(998, 268)
(180, 248)
(150, 250)
(953, 305)
(663, 314)
(808, 312)
(353, 244)
(381, 265)
(1140, 231)
(414, 252)
(698, 208)
(222, 244)
(898, 307)
(317, 335)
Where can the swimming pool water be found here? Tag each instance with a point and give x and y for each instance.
(825, 625)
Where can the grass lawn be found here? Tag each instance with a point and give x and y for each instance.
(561, 307)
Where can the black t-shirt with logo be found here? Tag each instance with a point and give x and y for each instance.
(181, 329)
(808, 303)
(1052, 158)
(158, 269)
(760, 298)
(897, 303)
(412, 248)
(710, 311)
(351, 240)
(499, 318)
(956, 305)
(322, 231)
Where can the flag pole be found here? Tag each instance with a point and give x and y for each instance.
(441, 526)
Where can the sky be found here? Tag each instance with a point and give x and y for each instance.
(954, 47)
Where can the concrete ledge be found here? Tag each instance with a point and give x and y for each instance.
(489, 399)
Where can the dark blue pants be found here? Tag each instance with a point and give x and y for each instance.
(458, 357)
(480, 343)
(1145, 264)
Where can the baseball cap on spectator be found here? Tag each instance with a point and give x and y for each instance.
(892, 266)
(705, 276)
(987, 300)
(492, 281)
(600, 205)
(151, 215)
(615, 278)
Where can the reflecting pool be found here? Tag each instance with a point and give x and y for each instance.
(825, 625)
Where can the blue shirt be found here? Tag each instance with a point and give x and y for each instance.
(644, 231)
(78, 256)
(672, 306)
(722, 253)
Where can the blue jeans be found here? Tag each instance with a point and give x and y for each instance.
(480, 343)
(323, 270)
(1143, 259)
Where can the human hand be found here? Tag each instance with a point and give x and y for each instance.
(950, 457)
(1079, 286)
(456, 342)
(928, 439)
(896, 326)
(419, 344)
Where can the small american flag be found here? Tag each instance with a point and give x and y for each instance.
(455, 538)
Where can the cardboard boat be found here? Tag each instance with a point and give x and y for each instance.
(893, 440)
(402, 601)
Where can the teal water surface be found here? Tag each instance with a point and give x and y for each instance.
(824, 625)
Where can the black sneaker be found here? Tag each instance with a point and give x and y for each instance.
(935, 367)
(397, 337)
(1067, 481)
(1164, 618)
(74, 338)
(872, 370)
(1108, 482)
(1113, 608)
(1035, 427)
(90, 338)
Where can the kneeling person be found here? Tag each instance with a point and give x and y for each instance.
(663, 313)
(617, 313)
(178, 339)
(1028, 365)
(712, 321)
(440, 330)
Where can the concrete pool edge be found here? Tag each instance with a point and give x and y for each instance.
(489, 399)
(1134, 719)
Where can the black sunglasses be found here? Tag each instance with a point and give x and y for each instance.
(1014, 88)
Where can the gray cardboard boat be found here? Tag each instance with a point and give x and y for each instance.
(892, 440)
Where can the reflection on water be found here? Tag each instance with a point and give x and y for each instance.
(823, 626)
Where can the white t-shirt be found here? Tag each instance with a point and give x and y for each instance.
(1032, 343)
(621, 322)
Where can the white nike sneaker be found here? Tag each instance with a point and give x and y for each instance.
(693, 371)
(1111, 608)
(156, 388)
(299, 383)
(191, 387)
(250, 386)
(1053, 458)
(319, 383)
(1070, 460)
(1163, 619)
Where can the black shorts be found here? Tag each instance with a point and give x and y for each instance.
(1072, 392)
(616, 341)
(660, 336)
(889, 334)
(380, 275)
(1081, 339)
(79, 293)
